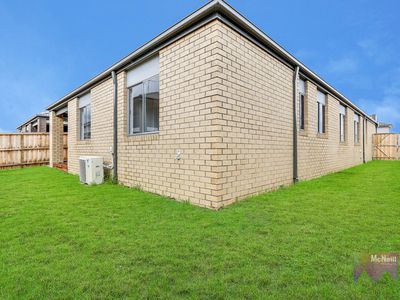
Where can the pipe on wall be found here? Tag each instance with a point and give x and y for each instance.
(364, 129)
(295, 159)
(115, 129)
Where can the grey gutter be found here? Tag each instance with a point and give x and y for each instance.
(215, 6)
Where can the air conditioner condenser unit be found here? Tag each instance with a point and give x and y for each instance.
(91, 169)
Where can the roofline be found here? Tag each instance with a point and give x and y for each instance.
(236, 20)
(384, 125)
(33, 118)
(248, 25)
(170, 32)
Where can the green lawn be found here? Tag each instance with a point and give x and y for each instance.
(61, 239)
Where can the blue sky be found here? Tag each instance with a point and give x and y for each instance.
(48, 48)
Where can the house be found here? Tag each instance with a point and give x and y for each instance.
(384, 127)
(211, 111)
(38, 123)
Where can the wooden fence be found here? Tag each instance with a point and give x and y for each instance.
(386, 146)
(25, 149)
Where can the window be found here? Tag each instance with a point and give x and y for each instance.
(342, 123)
(356, 128)
(302, 93)
(143, 102)
(85, 116)
(144, 106)
(321, 103)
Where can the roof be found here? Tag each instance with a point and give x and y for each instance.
(382, 125)
(215, 9)
(44, 114)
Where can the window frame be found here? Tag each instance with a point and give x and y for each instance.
(302, 105)
(342, 124)
(321, 127)
(302, 111)
(81, 111)
(357, 129)
(144, 106)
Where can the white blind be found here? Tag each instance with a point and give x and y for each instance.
(143, 71)
(84, 100)
(342, 110)
(321, 97)
(357, 118)
(302, 86)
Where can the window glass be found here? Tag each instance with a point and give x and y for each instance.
(85, 117)
(144, 106)
(301, 112)
(302, 92)
(136, 108)
(342, 122)
(321, 102)
(321, 118)
(152, 104)
(356, 128)
(85, 120)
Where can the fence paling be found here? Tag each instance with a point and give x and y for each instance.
(24, 149)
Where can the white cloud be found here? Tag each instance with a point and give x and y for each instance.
(379, 52)
(387, 108)
(342, 65)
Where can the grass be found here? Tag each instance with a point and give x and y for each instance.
(60, 239)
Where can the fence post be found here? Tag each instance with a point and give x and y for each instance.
(21, 151)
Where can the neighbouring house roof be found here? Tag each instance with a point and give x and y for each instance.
(44, 114)
(215, 9)
(384, 125)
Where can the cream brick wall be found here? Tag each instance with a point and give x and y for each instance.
(56, 147)
(257, 143)
(369, 147)
(322, 154)
(189, 117)
(257, 125)
(101, 129)
(188, 90)
(227, 106)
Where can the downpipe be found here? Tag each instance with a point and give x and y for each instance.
(364, 129)
(115, 130)
(295, 150)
